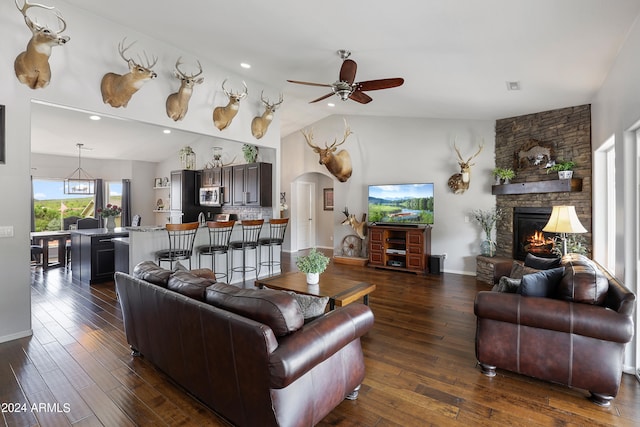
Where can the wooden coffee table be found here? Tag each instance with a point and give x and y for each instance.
(340, 291)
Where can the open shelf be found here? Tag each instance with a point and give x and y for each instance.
(551, 186)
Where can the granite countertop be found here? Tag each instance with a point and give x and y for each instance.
(118, 231)
(145, 228)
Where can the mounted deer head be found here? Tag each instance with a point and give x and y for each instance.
(178, 103)
(118, 89)
(260, 124)
(32, 66)
(338, 164)
(459, 182)
(360, 227)
(223, 116)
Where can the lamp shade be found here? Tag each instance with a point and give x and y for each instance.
(564, 220)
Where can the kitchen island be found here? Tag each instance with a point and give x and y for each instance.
(145, 241)
(93, 254)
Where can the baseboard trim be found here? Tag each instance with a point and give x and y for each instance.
(16, 336)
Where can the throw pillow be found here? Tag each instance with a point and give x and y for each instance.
(507, 285)
(312, 307)
(541, 284)
(518, 270)
(583, 282)
(541, 263)
(188, 284)
(152, 273)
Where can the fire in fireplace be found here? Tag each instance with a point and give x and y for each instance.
(528, 236)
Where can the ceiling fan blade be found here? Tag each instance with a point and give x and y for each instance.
(380, 84)
(309, 84)
(348, 71)
(360, 97)
(321, 98)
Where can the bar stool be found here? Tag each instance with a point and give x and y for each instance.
(181, 239)
(250, 235)
(277, 228)
(219, 236)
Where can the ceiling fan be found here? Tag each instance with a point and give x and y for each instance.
(346, 88)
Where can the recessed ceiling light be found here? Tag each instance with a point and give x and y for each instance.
(331, 104)
(245, 65)
(167, 131)
(515, 85)
(94, 117)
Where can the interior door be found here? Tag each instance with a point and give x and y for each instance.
(305, 207)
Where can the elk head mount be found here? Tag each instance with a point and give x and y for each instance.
(360, 227)
(118, 89)
(223, 116)
(459, 182)
(178, 103)
(260, 124)
(339, 164)
(32, 66)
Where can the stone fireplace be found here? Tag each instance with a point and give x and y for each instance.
(566, 133)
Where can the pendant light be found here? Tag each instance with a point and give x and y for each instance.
(79, 182)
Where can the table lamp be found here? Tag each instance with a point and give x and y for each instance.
(564, 220)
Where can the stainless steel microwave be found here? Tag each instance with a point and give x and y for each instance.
(210, 196)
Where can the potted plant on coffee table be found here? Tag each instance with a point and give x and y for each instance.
(312, 265)
(564, 168)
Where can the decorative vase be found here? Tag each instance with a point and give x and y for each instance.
(487, 248)
(313, 278)
(111, 223)
(507, 180)
(497, 181)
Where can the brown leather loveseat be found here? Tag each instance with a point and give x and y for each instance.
(245, 353)
(574, 335)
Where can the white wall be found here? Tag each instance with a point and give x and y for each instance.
(615, 112)
(77, 69)
(404, 150)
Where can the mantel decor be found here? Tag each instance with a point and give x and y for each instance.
(550, 186)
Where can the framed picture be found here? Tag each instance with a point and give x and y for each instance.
(158, 182)
(2, 140)
(327, 199)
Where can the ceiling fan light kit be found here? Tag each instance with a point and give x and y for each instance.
(345, 87)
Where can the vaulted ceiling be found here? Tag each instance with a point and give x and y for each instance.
(456, 56)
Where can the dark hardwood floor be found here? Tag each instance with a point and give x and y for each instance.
(421, 370)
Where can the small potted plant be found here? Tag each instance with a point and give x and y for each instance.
(250, 153)
(564, 168)
(312, 265)
(505, 174)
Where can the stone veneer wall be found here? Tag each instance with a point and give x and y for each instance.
(567, 131)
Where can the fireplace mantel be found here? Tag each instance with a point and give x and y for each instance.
(551, 186)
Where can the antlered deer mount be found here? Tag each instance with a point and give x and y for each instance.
(178, 103)
(260, 124)
(32, 66)
(459, 182)
(223, 116)
(117, 89)
(339, 164)
(360, 227)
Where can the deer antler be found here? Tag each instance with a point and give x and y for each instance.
(185, 75)
(26, 6)
(478, 152)
(347, 132)
(346, 212)
(308, 136)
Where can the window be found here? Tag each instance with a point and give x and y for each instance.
(604, 182)
(114, 197)
(51, 205)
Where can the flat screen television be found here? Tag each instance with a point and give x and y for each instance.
(406, 204)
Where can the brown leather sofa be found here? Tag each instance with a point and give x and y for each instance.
(245, 353)
(574, 337)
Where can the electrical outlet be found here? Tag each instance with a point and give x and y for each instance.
(6, 231)
(444, 255)
(466, 218)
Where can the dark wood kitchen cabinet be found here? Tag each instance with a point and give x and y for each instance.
(211, 177)
(93, 255)
(251, 185)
